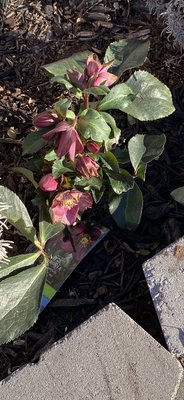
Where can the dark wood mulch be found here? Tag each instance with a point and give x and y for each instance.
(37, 32)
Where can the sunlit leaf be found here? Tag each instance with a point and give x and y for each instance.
(143, 97)
(17, 213)
(91, 125)
(60, 167)
(153, 99)
(20, 297)
(97, 90)
(17, 263)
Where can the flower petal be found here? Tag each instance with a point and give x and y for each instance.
(85, 202)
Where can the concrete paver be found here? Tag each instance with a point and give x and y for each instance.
(165, 277)
(109, 357)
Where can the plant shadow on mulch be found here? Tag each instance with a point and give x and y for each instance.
(113, 271)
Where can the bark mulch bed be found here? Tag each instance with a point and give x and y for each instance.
(33, 33)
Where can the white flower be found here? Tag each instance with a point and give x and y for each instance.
(4, 244)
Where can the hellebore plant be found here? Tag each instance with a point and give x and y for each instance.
(84, 163)
(80, 164)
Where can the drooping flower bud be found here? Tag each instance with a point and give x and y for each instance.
(96, 73)
(93, 147)
(67, 140)
(44, 120)
(47, 183)
(76, 78)
(86, 166)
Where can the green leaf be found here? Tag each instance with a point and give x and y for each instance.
(76, 61)
(34, 142)
(17, 214)
(126, 53)
(120, 181)
(27, 173)
(127, 208)
(18, 262)
(20, 297)
(91, 125)
(92, 183)
(35, 164)
(97, 194)
(145, 148)
(141, 172)
(48, 230)
(60, 167)
(152, 100)
(109, 160)
(40, 199)
(119, 97)
(178, 195)
(62, 81)
(62, 106)
(70, 114)
(66, 84)
(51, 156)
(143, 97)
(121, 155)
(116, 131)
(97, 91)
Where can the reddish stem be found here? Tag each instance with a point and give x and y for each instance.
(86, 100)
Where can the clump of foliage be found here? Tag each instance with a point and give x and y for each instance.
(81, 164)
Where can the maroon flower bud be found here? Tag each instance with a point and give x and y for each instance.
(93, 147)
(44, 120)
(86, 166)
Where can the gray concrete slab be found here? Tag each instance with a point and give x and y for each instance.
(109, 357)
(180, 392)
(165, 277)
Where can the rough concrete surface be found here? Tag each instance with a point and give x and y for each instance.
(109, 357)
(180, 392)
(165, 277)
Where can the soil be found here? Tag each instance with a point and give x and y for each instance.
(32, 34)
